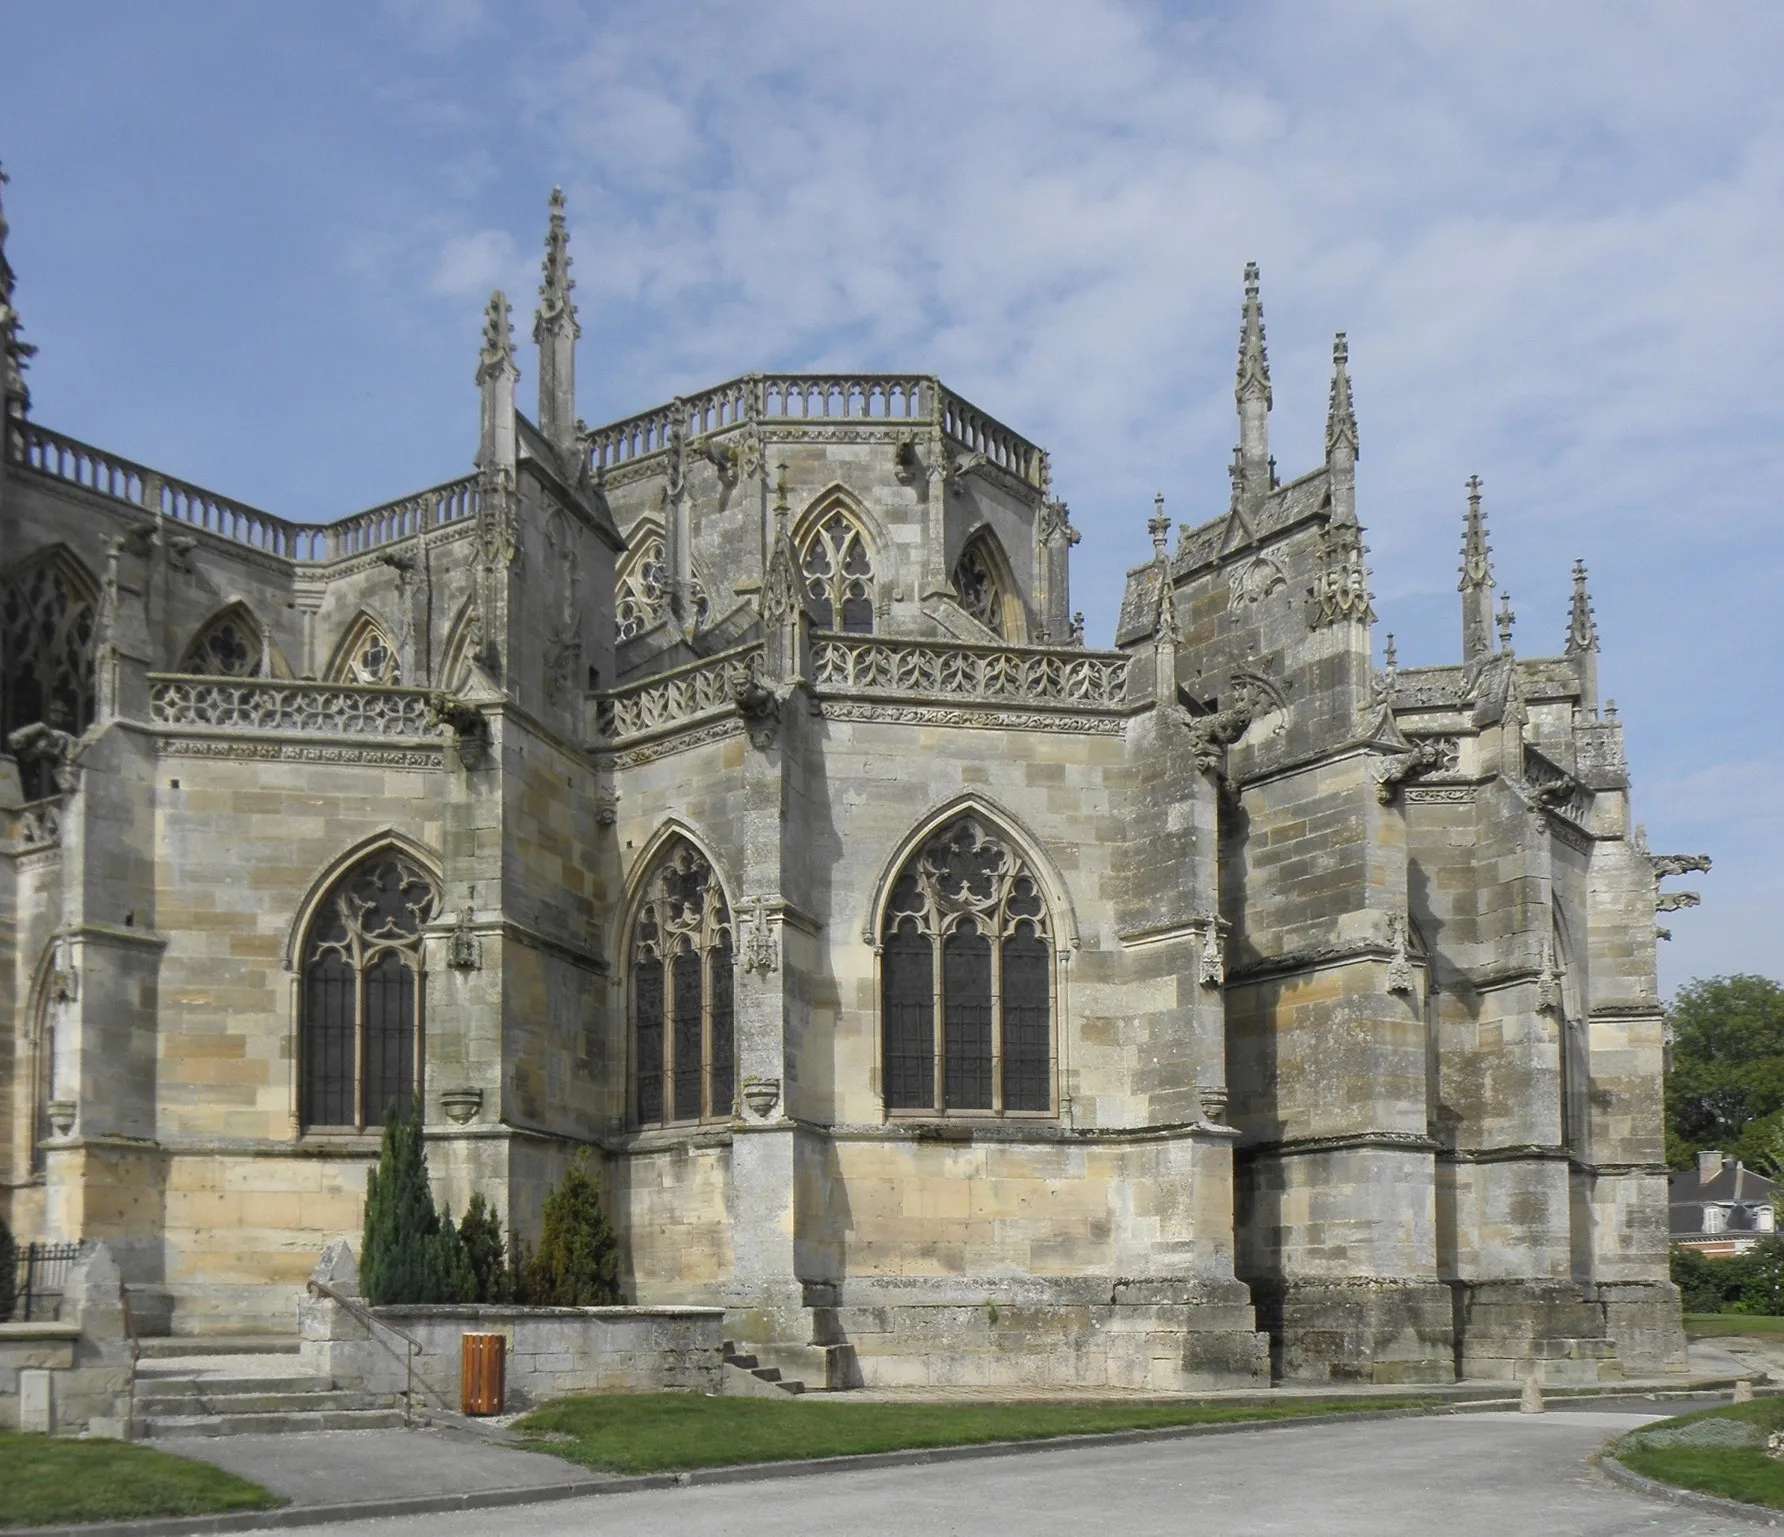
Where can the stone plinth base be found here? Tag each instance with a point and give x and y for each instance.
(1555, 1332)
(1358, 1331)
(1643, 1318)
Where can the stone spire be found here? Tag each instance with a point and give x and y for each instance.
(15, 398)
(1476, 585)
(1341, 436)
(1582, 639)
(1251, 390)
(496, 374)
(555, 329)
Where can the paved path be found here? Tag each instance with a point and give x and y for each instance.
(1472, 1475)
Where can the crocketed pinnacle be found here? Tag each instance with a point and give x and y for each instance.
(1254, 363)
(1341, 416)
(555, 307)
(14, 352)
(497, 353)
(1582, 628)
(1477, 562)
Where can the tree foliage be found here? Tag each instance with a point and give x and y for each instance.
(9, 1272)
(577, 1263)
(1725, 1085)
(1744, 1283)
(480, 1234)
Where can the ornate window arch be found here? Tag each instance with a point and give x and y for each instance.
(967, 981)
(836, 569)
(48, 618)
(51, 990)
(986, 586)
(362, 992)
(681, 972)
(366, 654)
(641, 585)
(228, 645)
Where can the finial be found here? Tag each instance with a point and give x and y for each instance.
(1078, 628)
(1477, 564)
(1390, 658)
(554, 290)
(1158, 525)
(780, 489)
(1236, 474)
(1254, 364)
(1610, 710)
(498, 338)
(1582, 629)
(1341, 416)
(1506, 620)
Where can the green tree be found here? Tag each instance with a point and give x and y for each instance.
(577, 1264)
(9, 1272)
(1727, 1067)
(480, 1234)
(405, 1254)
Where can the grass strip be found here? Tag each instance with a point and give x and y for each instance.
(46, 1481)
(1701, 1326)
(1734, 1472)
(669, 1432)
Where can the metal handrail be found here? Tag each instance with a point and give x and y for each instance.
(364, 1315)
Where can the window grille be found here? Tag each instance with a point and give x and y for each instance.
(363, 998)
(683, 1025)
(642, 590)
(367, 656)
(838, 577)
(48, 615)
(965, 944)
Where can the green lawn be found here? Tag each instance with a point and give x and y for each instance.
(1735, 1472)
(663, 1432)
(1714, 1325)
(49, 1482)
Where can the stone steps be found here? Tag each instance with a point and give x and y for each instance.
(289, 1401)
(769, 1376)
(171, 1426)
(160, 1347)
(226, 1387)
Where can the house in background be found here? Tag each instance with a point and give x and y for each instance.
(1721, 1208)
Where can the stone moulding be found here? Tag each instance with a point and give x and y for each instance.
(297, 708)
(1067, 677)
(241, 745)
(893, 714)
(672, 699)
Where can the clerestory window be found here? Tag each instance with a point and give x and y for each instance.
(367, 656)
(363, 999)
(48, 615)
(967, 979)
(642, 590)
(684, 1048)
(838, 576)
(979, 581)
(227, 647)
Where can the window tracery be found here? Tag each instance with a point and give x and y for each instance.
(683, 1018)
(362, 1009)
(838, 576)
(48, 618)
(979, 581)
(643, 590)
(967, 979)
(228, 647)
(368, 656)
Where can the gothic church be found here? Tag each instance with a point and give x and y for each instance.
(731, 790)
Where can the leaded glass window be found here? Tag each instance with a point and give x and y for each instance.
(965, 948)
(363, 995)
(838, 576)
(978, 580)
(642, 590)
(683, 1026)
(48, 613)
(227, 647)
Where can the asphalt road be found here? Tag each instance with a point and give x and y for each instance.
(1468, 1475)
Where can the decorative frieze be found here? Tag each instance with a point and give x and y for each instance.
(325, 709)
(686, 694)
(980, 719)
(287, 751)
(1065, 676)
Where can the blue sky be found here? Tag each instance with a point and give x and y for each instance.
(253, 242)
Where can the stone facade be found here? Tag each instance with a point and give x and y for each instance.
(730, 790)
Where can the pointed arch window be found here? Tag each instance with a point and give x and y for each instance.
(980, 577)
(228, 647)
(966, 971)
(367, 655)
(43, 1063)
(838, 576)
(684, 1048)
(362, 1003)
(48, 617)
(642, 590)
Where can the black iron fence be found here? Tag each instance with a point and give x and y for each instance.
(39, 1272)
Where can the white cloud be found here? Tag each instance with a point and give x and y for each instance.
(470, 265)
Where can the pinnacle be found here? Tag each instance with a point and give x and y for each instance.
(1477, 566)
(554, 289)
(1582, 628)
(498, 338)
(1158, 525)
(1341, 416)
(1254, 362)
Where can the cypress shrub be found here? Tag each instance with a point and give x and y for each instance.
(577, 1264)
(480, 1236)
(9, 1273)
(402, 1256)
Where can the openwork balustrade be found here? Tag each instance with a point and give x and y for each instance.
(1002, 674)
(701, 688)
(259, 704)
(67, 459)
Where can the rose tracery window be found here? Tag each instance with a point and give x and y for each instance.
(227, 647)
(684, 1040)
(978, 580)
(643, 590)
(838, 577)
(362, 1009)
(967, 979)
(367, 656)
(48, 614)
